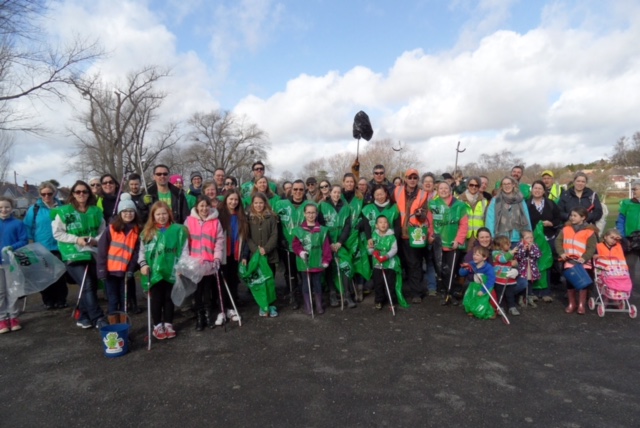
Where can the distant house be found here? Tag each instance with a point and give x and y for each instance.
(26, 195)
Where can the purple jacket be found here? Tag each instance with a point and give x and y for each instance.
(528, 259)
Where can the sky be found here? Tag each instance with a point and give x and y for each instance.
(552, 81)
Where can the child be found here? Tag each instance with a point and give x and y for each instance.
(13, 235)
(161, 243)
(206, 242)
(313, 250)
(577, 241)
(503, 265)
(610, 252)
(527, 255)
(479, 266)
(384, 249)
(118, 255)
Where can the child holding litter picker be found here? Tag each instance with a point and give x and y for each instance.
(476, 298)
(13, 235)
(383, 247)
(504, 267)
(313, 250)
(118, 255)
(527, 255)
(161, 244)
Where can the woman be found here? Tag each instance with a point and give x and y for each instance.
(263, 237)
(209, 189)
(507, 213)
(286, 189)
(38, 223)
(483, 239)
(261, 186)
(451, 224)
(577, 241)
(108, 199)
(428, 185)
(234, 223)
(356, 247)
(476, 205)
(579, 195)
(363, 188)
(397, 181)
(325, 190)
(76, 227)
(96, 187)
(335, 214)
(628, 224)
(542, 209)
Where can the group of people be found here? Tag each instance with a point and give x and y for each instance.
(419, 235)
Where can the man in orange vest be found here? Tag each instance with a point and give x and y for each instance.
(416, 227)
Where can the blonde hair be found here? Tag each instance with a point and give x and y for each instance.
(612, 232)
(150, 229)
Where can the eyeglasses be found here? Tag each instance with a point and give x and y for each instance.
(161, 174)
(258, 169)
(80, 192)
(324, 187)
(472, 185)
(95, 185)
(298, 190)
(108, 183)
(412, 177)
(228, 183)
(43, 194)
(378, 172)
(128, 211)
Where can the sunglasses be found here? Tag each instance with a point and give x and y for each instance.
(378, 173)
(46, 194)
(473, 185)
(412, 177)
(80, 192)
(95, 185)
(161, 174)
(228, 183)
(298, 190)
(324, 187)
(108, 183)
(258, 169)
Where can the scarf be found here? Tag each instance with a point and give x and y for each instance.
(382, 205)
(509, 214)
(472, 199)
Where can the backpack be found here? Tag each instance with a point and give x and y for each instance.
(602, 222)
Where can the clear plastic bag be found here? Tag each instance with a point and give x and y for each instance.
(182, 288)
(191, 267)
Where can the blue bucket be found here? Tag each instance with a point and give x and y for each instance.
(578, 277)
(115, 339)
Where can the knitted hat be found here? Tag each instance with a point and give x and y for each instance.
(175, 178)
(126, 203)
(195, 174)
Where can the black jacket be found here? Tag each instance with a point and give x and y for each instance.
(550, 212)
(179, 205)
(570, 200)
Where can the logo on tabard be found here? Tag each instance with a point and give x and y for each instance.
(113, 342)
(417, 235)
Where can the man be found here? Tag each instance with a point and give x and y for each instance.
(258, 172)
(162, 190)
(553, 190)
(516, 173)
(196, 184)
(484, 185)
(291, 214)
(379, 177)
(135, 190)
(414, 217)
(312, 189)
(218, 177)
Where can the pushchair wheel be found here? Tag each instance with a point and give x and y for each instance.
(600, 310)
(633, 311)
(592, 303)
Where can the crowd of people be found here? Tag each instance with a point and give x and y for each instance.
(417, 236)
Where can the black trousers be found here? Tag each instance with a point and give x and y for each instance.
(412, 262)
(379, 286)
(161, 304)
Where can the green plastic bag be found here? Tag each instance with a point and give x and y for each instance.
(546, 259)
(258, 277)
(479, 306)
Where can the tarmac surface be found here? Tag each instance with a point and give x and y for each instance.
(428, 366)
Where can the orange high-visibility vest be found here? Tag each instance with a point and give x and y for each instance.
(575, 244)
(400, 197)
(202, 238)
(121, 249)
(611, 258)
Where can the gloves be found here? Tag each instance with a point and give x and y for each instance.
(512, 273)
(304, 255)
(379, 258)
(147, 199)
(216, 264)
(7, 249)
(376, 254)
(466, 266)
(325, 265)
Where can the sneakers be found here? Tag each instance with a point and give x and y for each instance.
(102, 322)
(533, 297)
(233, 315)
(273, 312)
(5, 327)
(15, 324)
(220, 320)
(416, 300)
(263, 313)
(378, 306)
(547, 299)
(432, 293)
(531, 302)
(169, 332)
(514, 311)
(521, 302)
(84, 323)
(159, 333)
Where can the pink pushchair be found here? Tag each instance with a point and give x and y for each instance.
(613, 285)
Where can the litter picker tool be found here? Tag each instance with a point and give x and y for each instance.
(224, 281)
(342, 290)
(291, 297)
(386, 285)
(76, 311)
(224, 316)
(309, 285)
(499, 308)
(447, 298)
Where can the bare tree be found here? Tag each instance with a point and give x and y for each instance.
(626, 151)
(31, 68)
(7, 142)
(118, 134)
(222, 139)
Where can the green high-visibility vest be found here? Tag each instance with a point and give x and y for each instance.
(631, 213)
(163, 251)
(312, 244)
(78, 224)
(446, 220)
(334, 220)
(290, 217)
(371, 213)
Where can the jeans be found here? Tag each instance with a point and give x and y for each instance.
(511, 291)
(56, 293)
(114, 286)
(6, 310)
(89, 307)
(316, 282)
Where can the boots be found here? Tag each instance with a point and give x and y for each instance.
(208, 315)
(333, 298)
(571, 294)
(582, 301)
(200, 320)
(359, 295)
(350, 303)
(306, 299)
(293, 298)
(317, 297)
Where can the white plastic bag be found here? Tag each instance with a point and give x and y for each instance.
(182, 288)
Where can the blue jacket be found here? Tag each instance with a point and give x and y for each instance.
(12, 233)
(42, 231)
(486, 269)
